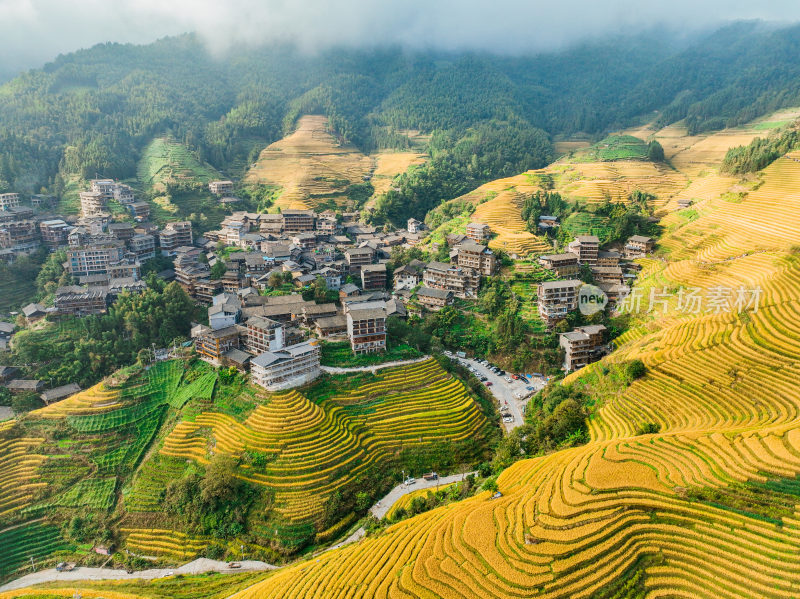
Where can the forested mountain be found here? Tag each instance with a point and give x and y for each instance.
(93, 111)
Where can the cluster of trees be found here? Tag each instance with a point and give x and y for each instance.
(84, 350)
(555, 419)
(215, 503)
(761, 152)
(549, 203)
(435, 498)
(461, 162)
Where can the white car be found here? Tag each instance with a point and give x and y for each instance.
(508, 418)
(411, 481)
(508, 379)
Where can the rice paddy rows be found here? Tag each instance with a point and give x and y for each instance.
(93, 400)
(19, 478)
(722, 387)
(568, 522)
(314, 449)
(171, 544)
(23, 545)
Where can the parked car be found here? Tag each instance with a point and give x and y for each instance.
(515, 377)
(502, 372)
(234, 565)
(430, 476)
(484, 379)
(508, 418)
(508, 379)
(488, 383)
(530, 388)
(410, 481)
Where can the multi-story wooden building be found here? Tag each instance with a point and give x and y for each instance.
(93, 203)
(607, 274)
(220, 188)
(463, 282)
(582, 346)
(212, 344)
(434, 299)
(143, 247)
(264, 335)
(638, 246)
(563, 265)
(9, 201)
(175, 235)
(478, 232)
(81, 301)
(366, 328)
(140, 210)
(95, 257)
(557, 299)
(19, 233)
(586, 247)
(297, 221)
(358, 257)
(477, 257)
(373, 276)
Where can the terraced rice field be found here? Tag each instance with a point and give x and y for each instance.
(310, 164)
(594, 182)
(94, 400)
(22, 545)
(104, 432)
(722, 387)
(165, 160)
(705, 508)
(389, 164)
(316, 448)
(170, 544)
(502, 213)
(19, 476)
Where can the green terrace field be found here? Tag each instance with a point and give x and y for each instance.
(177, 182)
(18, 282)
(614, 147)
(70, 459)
(585, 223)
(165, 160)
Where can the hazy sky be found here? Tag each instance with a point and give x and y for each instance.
(35, 31)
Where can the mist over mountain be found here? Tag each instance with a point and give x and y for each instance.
(34, 31)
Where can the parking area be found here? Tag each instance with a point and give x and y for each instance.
(511, 390)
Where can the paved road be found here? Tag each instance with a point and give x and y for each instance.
(504, 391)
(380, 509)
(372, 369)
(198, 566)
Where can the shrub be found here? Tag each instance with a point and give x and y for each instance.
(636, 369)
(648, 428)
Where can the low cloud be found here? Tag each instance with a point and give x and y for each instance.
(35, 31)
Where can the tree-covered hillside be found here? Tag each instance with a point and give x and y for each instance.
(94, 111)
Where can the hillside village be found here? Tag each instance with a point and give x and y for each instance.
(237, 269)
